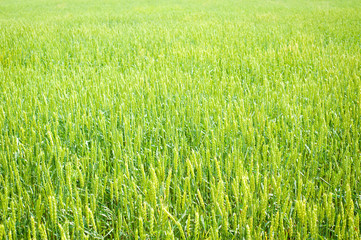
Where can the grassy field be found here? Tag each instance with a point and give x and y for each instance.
(180, 119)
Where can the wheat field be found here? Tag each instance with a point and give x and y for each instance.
(188, 119)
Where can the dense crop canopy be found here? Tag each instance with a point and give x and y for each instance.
(180, 119)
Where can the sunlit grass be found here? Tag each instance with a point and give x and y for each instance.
(180, 120)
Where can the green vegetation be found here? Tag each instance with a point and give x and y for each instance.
(180, 119)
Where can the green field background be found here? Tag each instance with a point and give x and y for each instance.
(180, 119)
